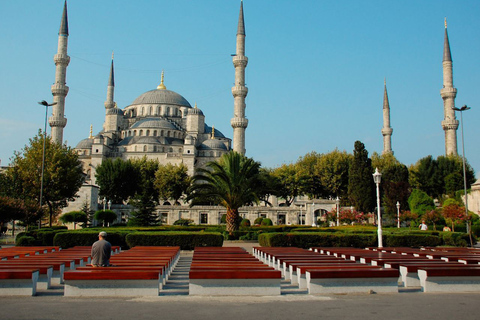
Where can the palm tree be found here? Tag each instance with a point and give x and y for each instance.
(230, 182)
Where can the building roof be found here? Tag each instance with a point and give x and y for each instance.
(211, 144)
(162, 96)
(154, 123)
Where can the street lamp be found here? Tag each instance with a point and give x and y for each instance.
(464, 108)
(46, 104)
(337, 204)
(377, 178)
(398, 215)
(313, 215)
(109, 204)
(104, 203)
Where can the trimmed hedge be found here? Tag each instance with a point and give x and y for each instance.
(72, 239)
(26, 241)
(361, 240)
(186, 240)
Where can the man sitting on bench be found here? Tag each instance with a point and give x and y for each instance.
(101, 251)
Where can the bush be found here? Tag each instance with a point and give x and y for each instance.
(324, 239)
(412, 240)
(258, 221)
(419, 202)
(457, 239)
(45, 238)
(87, 238)
(183, 222)
(186, 240)
(245, 223)
(26, 241)
(267, 222)
(105, 216)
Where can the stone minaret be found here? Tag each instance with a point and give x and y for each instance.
(59, 90)
(111, 112)
(386, 130)
(239, 122)
(448, 93)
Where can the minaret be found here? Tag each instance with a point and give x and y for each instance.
(386, 130)
(110, 106)
(448, 93)
(59, 90)
(239, 122)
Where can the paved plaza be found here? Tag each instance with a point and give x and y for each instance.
(411, 305)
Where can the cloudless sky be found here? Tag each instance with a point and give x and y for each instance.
(315, 74)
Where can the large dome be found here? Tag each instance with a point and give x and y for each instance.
(154, 123)
(162, 96)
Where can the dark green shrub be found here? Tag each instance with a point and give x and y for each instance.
(258, 221)
(456, 239)
(267, 222)
(26, 241)
(250, 236)
(245, 223)
(412, 240)
(186, 240)
(183, 222)
(105, 216)
(45, 238)
(87, 238)
(223, 219)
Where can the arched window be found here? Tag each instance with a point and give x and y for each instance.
(150, 110)
(141, 133)
(145, 148)
(148, 133)
(135, 134)
(168, 111)
(154, 133)
(158, 111)
(168, 133)
(143, 111)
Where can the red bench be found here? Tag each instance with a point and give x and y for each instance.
(19, 282)
(450, 279)
(350, 280)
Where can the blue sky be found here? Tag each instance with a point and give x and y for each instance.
(315, 74)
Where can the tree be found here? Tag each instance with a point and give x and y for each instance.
(105, 216)
(63, 174)
(291, 182)
(333, 170)
(74, 217)
(268, 184)
(454, 214)
(419, 202)
(307, 169)
(118, 180)
(434, 217)
(229, 182)
(146, 195)
(10, 209)
(171, 181)
(440, 177)
(361, 188)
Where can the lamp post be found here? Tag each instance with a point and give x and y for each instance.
(398, 215)
(337, 204)
(313, 215)
(464, 108)
(377, 177)
(46, 105)
(109, 204)
(104, 203)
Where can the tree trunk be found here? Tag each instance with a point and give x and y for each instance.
(232, 220)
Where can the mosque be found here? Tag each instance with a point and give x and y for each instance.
(161, 124)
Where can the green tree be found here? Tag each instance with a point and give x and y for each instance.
(118, 179)
(63, 174)
(419, 202)
(74, 217)
(309, 177)
(333, 170)
(229, 182)
(291, 182)
(268, 184)
(171, 181)
(361, 188)
(105, 216)
(146, 196)
(10, 209)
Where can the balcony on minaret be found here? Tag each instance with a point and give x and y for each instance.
(448, 92)
(239, 91)
(61, 59)
(240, 61)
(450, 124)
(57, 122)
(387, 131)
(59, 89)
(239, 122)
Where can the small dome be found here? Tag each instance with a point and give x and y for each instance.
(154, 123)
(161, 96)
(211, 144)
(85, 144)
(217, 132)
